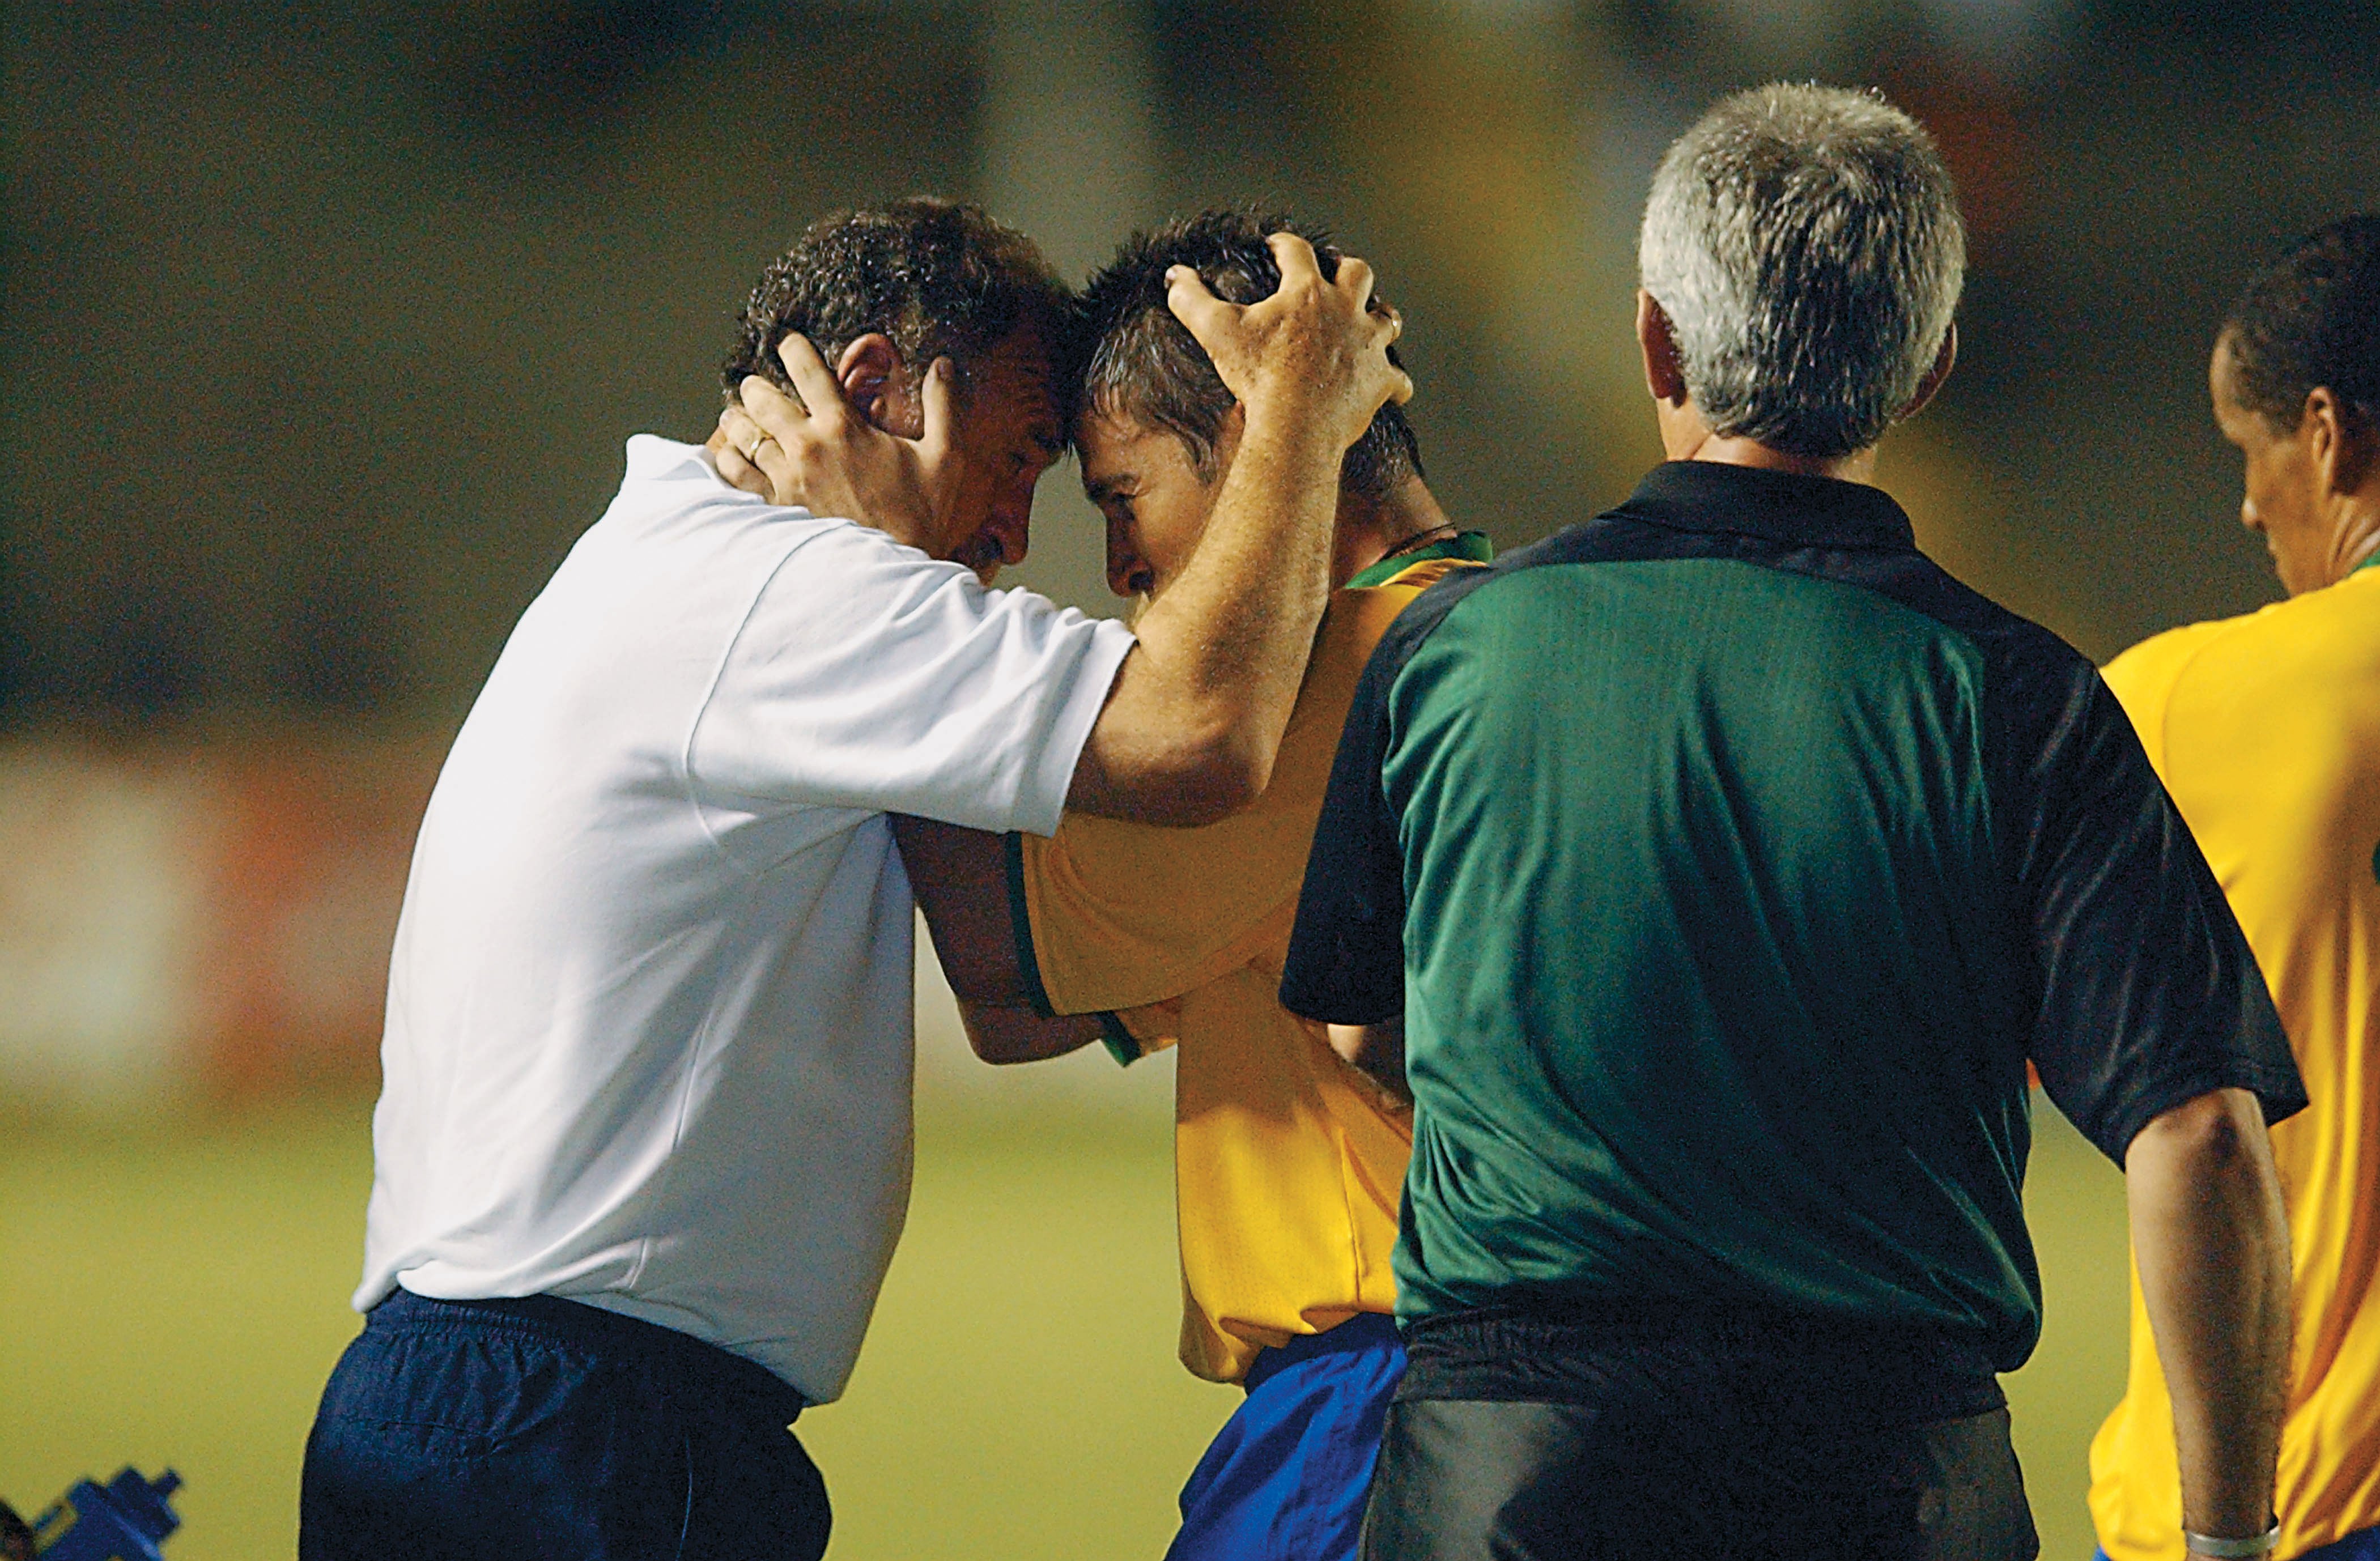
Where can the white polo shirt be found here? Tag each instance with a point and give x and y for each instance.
(648, 1038)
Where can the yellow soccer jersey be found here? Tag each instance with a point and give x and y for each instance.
(2266, 731)
(1288, 1162)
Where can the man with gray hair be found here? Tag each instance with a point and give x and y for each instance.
(1710, 873)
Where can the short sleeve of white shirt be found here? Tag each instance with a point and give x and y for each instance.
(867, 676)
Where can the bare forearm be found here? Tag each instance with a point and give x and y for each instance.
(959, 881)
(1012, 1032)
(1196, 716)
(1236, 629)
(2212, 1244)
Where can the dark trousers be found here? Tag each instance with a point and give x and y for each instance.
(1466, 1480)
(1716, 1435)
(541, 1428)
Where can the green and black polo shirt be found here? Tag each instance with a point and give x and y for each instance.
(1728, 860)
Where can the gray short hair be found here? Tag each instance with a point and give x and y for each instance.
(1804, 242)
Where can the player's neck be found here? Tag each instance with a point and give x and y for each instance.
(2355, 539)
(1406, 518)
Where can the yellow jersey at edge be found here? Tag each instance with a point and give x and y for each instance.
(2266, 731)
(1288, 1162)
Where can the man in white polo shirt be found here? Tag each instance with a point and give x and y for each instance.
(642, 1151)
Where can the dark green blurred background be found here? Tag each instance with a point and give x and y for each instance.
(325, 323)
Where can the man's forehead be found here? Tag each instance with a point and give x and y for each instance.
(2220, 366)
(2241, 424)
(1110, 442)
(1016, 381)
(1021, 362)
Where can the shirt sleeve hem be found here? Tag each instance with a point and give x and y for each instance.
(1020, 925)
(1122, 1043)
(1095, 676)
(1338, 1007)
(2279, 1095)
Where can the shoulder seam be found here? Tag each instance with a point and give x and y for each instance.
(2224, 628)
(710, 692)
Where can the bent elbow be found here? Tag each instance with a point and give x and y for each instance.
(1219, 777)
(1001, 1045)
(990, 1048)
(1212, 796)
(1187, 774)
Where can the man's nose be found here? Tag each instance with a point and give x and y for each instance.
(1123, 563)
(2247, 515)
(1011, 526)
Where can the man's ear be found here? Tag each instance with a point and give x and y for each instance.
(1664, 378)
(1932, 383)
(878, 385)
(2343, 445)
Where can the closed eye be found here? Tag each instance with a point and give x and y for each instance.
(1105, 494)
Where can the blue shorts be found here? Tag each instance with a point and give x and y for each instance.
(506, 1430)
(2361, 1545)
(1287, 1477)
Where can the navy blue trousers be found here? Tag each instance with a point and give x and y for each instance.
(541, 1428)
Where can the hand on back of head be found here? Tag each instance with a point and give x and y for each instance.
(1313, 354)
(1315, 350)
(821, 452)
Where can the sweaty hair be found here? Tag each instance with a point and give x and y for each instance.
(2311, 319)
(937, 277)
(1804, 242)
(1138, 363)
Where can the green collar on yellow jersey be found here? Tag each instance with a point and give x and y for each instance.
(1471, 546)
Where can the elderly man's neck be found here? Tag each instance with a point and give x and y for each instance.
(1685, 437)
(1370, 530)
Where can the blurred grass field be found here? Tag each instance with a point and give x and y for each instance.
(173, 1292)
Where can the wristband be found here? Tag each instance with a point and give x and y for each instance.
(2233, 1550)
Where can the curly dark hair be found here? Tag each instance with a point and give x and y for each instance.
(2311, 318)
(938, 277)
(1134, 360)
